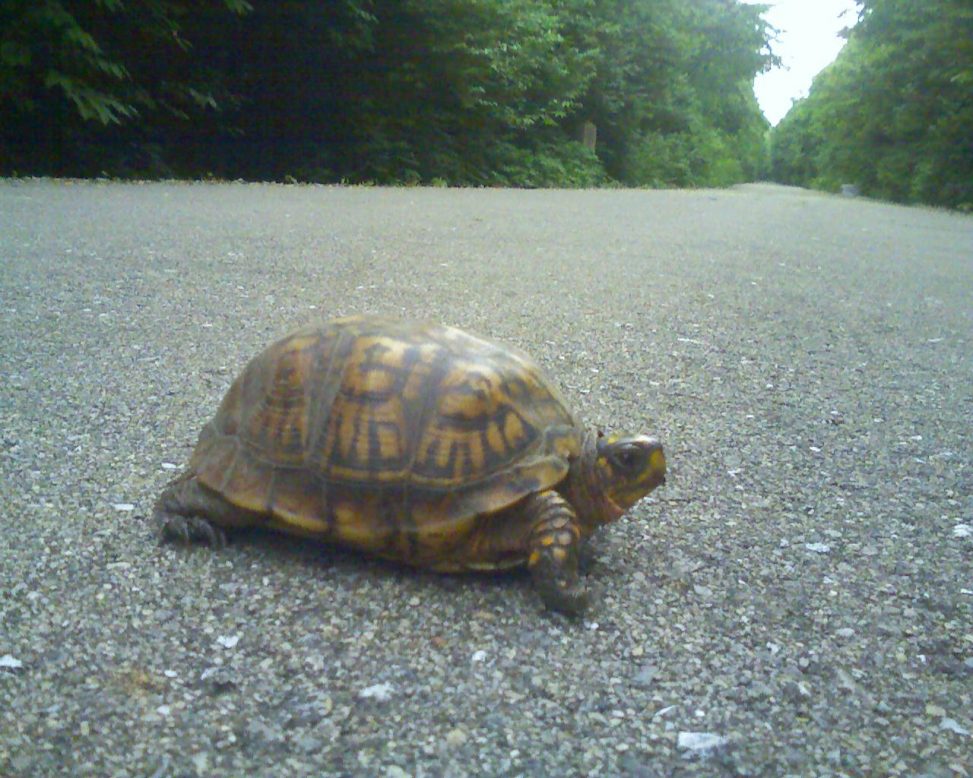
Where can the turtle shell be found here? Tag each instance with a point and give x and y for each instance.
(392, 437)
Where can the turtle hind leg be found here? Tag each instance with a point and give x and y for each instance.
(191, 529)
(553, 553)
(187, 512)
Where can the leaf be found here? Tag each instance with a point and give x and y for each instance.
(14, 54)
(203, 99)
(239, 7)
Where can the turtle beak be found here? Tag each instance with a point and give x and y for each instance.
(657, 462)
(654, 473)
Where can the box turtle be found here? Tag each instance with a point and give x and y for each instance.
(414, 442)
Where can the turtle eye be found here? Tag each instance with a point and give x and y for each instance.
(629, 458)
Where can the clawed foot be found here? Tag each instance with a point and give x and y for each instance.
(589, 552)
(191, 529)
(569, 599)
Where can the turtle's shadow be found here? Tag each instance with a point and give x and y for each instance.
(348, 564)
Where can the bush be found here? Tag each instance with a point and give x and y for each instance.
(550, 164)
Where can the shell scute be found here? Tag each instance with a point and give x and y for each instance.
(367, 435)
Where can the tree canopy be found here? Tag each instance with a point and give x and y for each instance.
(488, 92)
(894, 113)
(481, 92)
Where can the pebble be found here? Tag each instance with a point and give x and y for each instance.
(261, 730)
(663, 712)
(219, 680)
(228, 641)
(380, 692)
(700, 743)
(951, 725)
(646, 675)
(309, 743)
(456, 738)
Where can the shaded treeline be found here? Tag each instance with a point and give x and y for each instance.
(488, 92)
(894, 113)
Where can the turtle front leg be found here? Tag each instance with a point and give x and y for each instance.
(181, 510)
(553, 547)
(589, 552)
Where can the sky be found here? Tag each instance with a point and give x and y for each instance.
(808, 41)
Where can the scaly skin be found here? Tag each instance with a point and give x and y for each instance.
(610, 475)
(553, 547)
(182, 509)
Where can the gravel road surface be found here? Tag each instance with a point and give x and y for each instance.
(797, 600)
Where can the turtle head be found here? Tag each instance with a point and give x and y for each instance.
(629, 467)
(616, 472)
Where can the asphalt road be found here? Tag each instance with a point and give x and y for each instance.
(797, 600)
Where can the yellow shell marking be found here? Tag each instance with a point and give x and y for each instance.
(346, 434)
(476, 454)
(444, 453)
(513, 429)
(495, 438)
(415, 384)
(350, 526)
(361, 441)
(301, 523)
(389, 445)
(276, 423)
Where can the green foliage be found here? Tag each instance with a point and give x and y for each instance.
(705, 157)
(548, 164)
(80, 76)
(79, 50)
(674, 90)
(894, 113)
(659, 159)
(42, 44)
(455, 88)
(467, 92)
